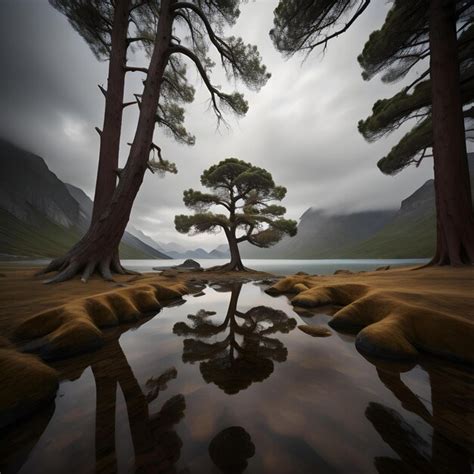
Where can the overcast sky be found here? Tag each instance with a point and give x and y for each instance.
(302, 126)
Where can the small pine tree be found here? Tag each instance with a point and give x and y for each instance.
(246, 192)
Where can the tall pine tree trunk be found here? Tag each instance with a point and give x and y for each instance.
(110, 136)
(455, 220)
(97, 247)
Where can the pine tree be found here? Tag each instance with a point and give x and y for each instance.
(246, 193)
(246, 352)
(413, 31)
(167, 45)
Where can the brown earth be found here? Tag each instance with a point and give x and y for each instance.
(57, 321)
(396, 313)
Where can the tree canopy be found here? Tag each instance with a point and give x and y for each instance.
(172, 33)
(394, 50)
(246, 353)
(413, 31)
(303, 25)
(246, 192)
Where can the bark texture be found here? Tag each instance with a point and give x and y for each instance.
(455, 220)
(111, 130)
(235, 263)
(97, 248)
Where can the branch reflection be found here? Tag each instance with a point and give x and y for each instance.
(246, 354)
(451, 418)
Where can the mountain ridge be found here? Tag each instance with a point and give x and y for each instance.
(40, 215)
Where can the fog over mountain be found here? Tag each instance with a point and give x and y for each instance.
(302, 126)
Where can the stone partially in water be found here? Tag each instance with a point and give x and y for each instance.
(315, 331)
(189, 265)
(343, 272)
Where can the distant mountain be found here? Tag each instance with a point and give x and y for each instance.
(178, 251)
(40, 216)
(406, 233)
(197, 253)
(30, 192)
(146, 239)
(133, 241)
(321, 235)
(411, 232)
(216, 253)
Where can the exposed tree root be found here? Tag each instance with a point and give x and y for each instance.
(68, 267)
(116, 267)
(230, 267)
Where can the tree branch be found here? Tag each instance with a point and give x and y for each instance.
(219, 44)
(212, 90)
(104, 92)
(416, 81)
(126, 104)
(356, 15)
(136, 69)
(139, 38)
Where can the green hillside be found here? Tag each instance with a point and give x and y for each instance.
(45, 239)
(402, 238)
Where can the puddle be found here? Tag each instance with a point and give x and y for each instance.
(227, 383)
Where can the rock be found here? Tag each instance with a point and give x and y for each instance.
(301, 273)
(386, 267)
(189, 263)
(315, 331)
(343, 272)
(266, 281)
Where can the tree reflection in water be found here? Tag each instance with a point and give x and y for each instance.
(453, 425)
(156, 445)
(247, 352)
(230, 450)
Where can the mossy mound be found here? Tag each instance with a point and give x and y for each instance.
(396, 317)
(74, 327)
(27, 383)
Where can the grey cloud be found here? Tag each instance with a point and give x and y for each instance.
(302, 126)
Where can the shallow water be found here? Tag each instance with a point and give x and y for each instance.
(277, 266)
(226, 382)
(286, 267)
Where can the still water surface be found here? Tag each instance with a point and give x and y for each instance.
(226, 382)
(286, 267)
(277, 266)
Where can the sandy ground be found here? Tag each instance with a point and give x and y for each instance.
(395, 313)
(23, 295)
(398, 312)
